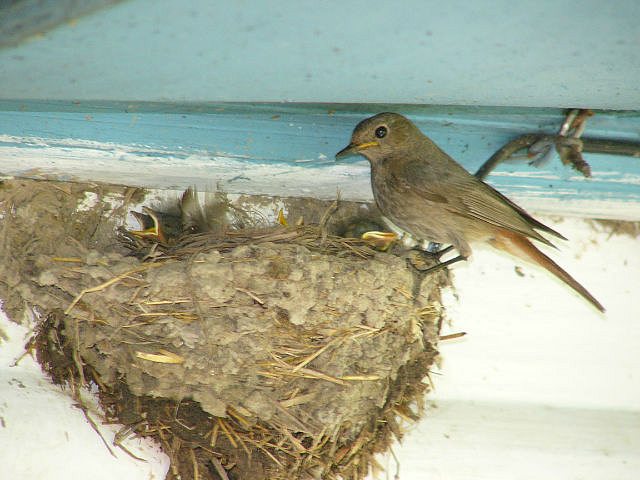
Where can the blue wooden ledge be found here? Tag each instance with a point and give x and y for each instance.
(287, 149)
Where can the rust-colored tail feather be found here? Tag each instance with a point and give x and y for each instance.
(521, 247)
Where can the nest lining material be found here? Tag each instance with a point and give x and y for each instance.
(263, 353)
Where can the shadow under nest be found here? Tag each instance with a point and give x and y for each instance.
(246, 349)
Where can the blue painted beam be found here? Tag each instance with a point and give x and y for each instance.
(538, 53)
(288, 149)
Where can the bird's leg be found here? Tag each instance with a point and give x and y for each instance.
(441, 265)
(417, 266)
(436, 249)
(433, 250)
(421, 258)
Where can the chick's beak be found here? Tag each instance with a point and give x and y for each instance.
(354, 149)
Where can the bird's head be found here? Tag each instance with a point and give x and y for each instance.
(379, 136)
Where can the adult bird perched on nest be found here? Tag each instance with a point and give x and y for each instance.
(426, 193)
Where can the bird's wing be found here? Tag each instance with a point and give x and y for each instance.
(538, 225)
(462, 194)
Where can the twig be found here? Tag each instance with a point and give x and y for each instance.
(194, 461)
(226, 431)
(257, 299)
(307, 372)
(299, 400)
(219, 468)
(395, 459)
(316, 354)
(93, 424)
(214, 434)
(589, 145)
(28, 350)
(121, 436)
(360, 378)
(110, 282)
(451, 336)
(326, 216)
(76, 352)
(293, 440)
(505, 152)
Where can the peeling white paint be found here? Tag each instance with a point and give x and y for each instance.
(89, 201)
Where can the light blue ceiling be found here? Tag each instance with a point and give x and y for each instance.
(501, 52)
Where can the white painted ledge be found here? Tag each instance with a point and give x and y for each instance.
(492, 441)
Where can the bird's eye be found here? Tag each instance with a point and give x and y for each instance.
(381, 131)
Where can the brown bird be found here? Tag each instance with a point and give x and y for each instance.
(426, 193)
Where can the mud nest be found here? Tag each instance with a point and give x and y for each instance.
(247, 350)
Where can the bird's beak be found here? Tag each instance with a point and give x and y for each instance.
(354, 149)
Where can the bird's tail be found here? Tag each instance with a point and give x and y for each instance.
(521, 247)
